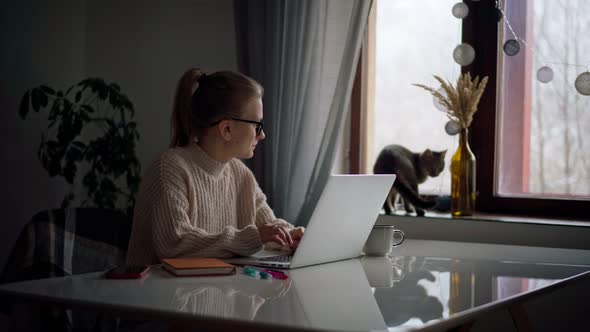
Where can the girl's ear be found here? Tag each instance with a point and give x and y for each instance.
(225, 129)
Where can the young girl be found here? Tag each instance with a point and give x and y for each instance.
(197, 198)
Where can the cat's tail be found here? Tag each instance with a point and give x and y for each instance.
(412, 196)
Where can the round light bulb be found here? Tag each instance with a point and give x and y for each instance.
(498, 14)
(511, 47)
(583, 83)
(452, 128)
(460, 10)
(545, 74)
(439, 106)
(464, 54)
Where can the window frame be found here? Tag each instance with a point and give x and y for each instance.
(480, 29)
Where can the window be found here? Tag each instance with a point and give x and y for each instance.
(551, 123)
(406, 50)
(507, 121)
(531, 139)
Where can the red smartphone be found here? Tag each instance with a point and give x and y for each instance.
(127, 272)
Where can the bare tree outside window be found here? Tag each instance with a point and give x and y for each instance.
(556, 162)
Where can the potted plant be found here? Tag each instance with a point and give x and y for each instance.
(90, 129)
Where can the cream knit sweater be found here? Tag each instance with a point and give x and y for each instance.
(192, 205)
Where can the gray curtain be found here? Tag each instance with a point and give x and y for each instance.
(305, 54)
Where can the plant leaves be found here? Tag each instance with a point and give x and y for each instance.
(79, 145)
(114, 100)
(85, 83)
(54, 111)
(23, 108)
(103, 92)
(87, 108)
(65, 131)
(54, 167)
(36, 99)
(69, 171)
(69, 89)
(111, 155)
(47, 90)
(75, 152)
(44, 99)
(90, 181)
(115, 87)
(98, 86)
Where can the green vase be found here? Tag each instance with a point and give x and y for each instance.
(463, 192)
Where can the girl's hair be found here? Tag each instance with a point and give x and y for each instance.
(202, 99)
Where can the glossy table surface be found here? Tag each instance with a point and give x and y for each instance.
(420, 284)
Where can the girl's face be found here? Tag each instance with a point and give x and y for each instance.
(245, 132)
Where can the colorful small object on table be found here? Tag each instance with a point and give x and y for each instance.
(252, 272)
(263, 273)
(277, 274)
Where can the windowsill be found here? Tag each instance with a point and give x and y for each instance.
(495, 229)
(481, 216)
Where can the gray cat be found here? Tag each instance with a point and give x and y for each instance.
(411, 170)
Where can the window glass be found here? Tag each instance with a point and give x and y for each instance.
(413, 41)
(544, 128)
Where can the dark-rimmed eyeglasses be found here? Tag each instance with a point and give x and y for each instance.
(259, 124)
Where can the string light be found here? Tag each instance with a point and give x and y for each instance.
(545, 74)
(460, 10)
(439, 106)
(583, 83)
(452, 128)
(464, 54)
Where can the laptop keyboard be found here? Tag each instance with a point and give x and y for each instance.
(282, 259)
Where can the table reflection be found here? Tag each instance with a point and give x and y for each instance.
(398, 289)
(226, 298)
(412, 290)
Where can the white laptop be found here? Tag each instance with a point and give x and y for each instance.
(339, 226)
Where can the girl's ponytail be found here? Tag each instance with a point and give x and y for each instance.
(182, 117)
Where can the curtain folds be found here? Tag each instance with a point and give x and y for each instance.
(304, 53)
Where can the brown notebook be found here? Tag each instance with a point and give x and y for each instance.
(197, 266)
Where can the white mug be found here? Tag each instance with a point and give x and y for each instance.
(382, 240)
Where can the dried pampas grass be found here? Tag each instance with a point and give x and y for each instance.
(460, 100)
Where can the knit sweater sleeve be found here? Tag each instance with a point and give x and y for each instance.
(264, 213)
(173, 233)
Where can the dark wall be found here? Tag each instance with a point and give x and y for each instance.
(144, 46)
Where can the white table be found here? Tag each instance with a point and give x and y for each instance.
(423, 284)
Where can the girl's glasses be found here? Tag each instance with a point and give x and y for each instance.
(259, 124)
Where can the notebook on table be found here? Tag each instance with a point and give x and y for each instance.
(339, 225)
(197, 266)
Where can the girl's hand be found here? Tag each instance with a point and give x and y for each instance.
(296, 235)
(276, 233)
